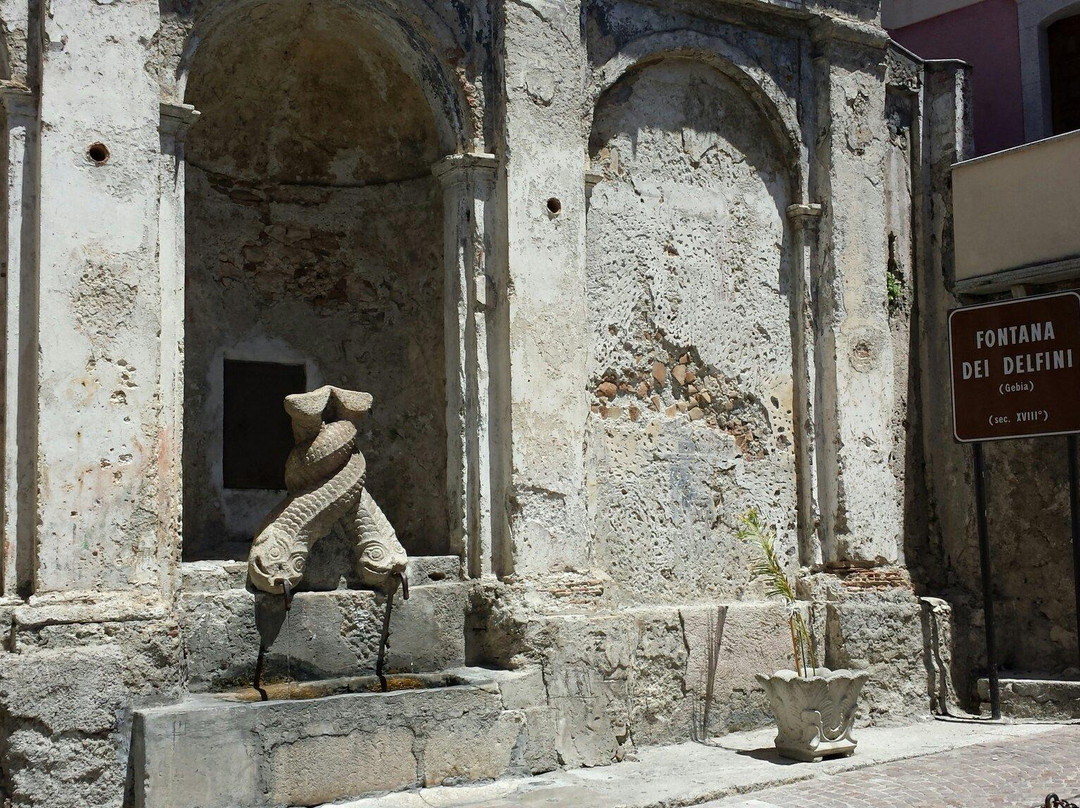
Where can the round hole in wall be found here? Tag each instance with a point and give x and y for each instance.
(554, 206)
(98, 153)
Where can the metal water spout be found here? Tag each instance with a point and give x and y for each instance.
(392, 582)
(265, 641)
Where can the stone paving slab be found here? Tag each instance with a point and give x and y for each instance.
(1008, 774)
(745, 763)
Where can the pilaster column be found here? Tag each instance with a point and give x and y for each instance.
(104, 479)
(472, 298)
(804, 221)
(947, 115)
(175, 120)
(549, 333)
(20, 326)
(860, 499)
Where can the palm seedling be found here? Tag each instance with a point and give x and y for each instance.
(751, 529)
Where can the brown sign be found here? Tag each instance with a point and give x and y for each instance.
(1016, 368)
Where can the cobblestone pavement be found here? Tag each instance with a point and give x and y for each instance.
(1007, 774)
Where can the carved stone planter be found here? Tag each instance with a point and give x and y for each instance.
(814, 715)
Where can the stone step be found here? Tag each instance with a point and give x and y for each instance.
(1035, 699)
(324, 634)
(732, 770)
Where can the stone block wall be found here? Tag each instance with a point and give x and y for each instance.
(72, 674)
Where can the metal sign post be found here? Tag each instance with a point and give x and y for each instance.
(987, 583)
(1074, 506)
(1016, 374)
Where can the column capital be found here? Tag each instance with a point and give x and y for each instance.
(18, 99)
(176, 118)
(592, 179)
(802, 215)
(459, 167)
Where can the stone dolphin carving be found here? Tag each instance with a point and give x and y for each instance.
(325, 475)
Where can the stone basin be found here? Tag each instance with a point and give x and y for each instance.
(285, 691)
(318, 742)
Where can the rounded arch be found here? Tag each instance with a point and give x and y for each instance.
(776, 107)
(690, 294)
(417, 46)
(1067, 10)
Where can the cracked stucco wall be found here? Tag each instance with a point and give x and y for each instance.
(634, 351)
(688, 283)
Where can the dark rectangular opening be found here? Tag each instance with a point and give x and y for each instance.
(257, 435)
(1063, 46)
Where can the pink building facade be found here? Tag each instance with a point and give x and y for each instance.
(1018, 49)
(985, 35)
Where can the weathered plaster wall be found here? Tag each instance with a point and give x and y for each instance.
(320, 276)
(103, 480)
(544, 102)
(543, 144)
(854, 348)
(691, 364)
(314, 236)
(636, 625)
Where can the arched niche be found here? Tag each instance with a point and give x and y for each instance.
(690, 285)
(314, 255)
(777, 109)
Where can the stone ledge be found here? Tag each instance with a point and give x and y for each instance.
(88, 607)
(1036, 699)
(223, 575)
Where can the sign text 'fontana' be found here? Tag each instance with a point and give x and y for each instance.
(1011, 364)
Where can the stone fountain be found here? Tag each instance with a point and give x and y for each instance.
(315, 717)
(325, 475)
